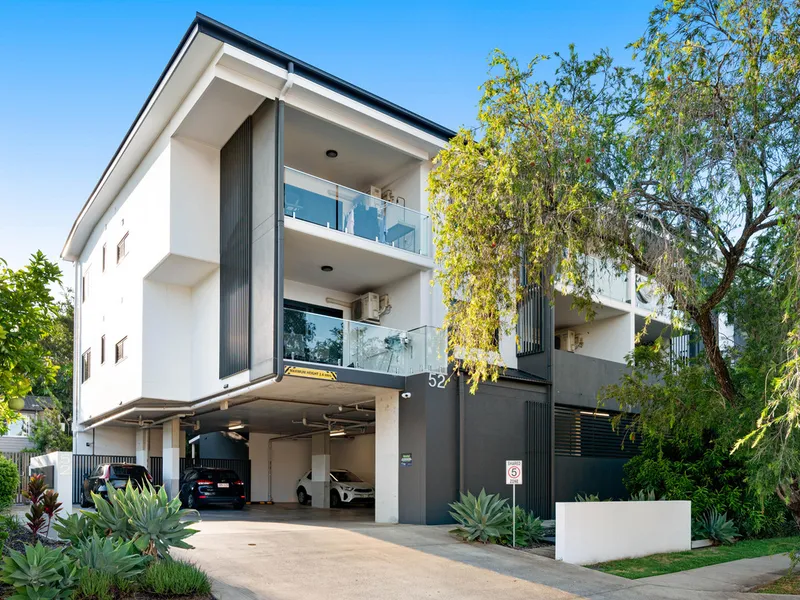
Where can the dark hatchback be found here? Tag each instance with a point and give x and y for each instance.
(205, 485)
(112, 474)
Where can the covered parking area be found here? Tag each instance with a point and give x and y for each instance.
(300, 432)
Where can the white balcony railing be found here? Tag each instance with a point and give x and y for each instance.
(335, 206)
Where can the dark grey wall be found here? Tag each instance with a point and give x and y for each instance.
(234, 242)
(263, 360)
(601, 476)
(502, 421)
(577, 379)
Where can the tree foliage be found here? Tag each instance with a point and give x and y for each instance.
(676, 166)
(27, 313)
(58, 346)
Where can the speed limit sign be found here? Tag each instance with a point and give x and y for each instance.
(513, 472)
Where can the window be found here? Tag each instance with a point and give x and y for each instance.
(122, 252)
(104, 259)
(86, 365)
(119, 350)
(102, 349)
(20, 428)
(85, 284)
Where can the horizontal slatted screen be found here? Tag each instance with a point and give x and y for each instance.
(530, 321)
(584, 432)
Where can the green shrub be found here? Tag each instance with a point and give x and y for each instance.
(175, 578)
(116, 558)
(644, 496)
(41, 573)
(716, 527)
(9, 482)
(94, 585)
(709, 476)
(484, 518)
(528, 529)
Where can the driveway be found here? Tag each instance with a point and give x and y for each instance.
(289, 552)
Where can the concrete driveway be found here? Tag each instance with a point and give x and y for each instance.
(289, 552)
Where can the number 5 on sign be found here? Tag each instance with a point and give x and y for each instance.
(513, 472)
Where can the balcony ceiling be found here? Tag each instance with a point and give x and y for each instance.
(359, 266)
(361, 162)
(565, 316)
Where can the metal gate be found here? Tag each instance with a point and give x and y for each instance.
(23, 461)
(83, 464)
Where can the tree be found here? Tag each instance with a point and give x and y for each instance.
(27, 313)
(48, 433)
(676, 167)
(59, 348)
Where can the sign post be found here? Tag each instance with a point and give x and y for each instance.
(513, 478)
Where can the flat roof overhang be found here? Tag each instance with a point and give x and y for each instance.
(349, 387)
(242, 60)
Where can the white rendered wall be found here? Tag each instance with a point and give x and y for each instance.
(291, 460)
(303, 292)
(62, 475)
(387, 457)
(609, 339)
(405, 298)
(357, 455)
(592, 532)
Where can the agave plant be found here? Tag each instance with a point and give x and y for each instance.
(110, 516)
(41, 573)
(158, 523)
(587, 497)
(483, 518)
(76, 528)
(644, 496)
(116, 558)
(716, 527)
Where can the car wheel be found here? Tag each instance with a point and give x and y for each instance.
(238, 505)
(302, 496)
(191, 501)
(84, 502)
(336, 500)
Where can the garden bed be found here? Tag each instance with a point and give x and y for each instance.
(673, 562)
(788, 584)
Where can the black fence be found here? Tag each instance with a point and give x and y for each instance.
(589, 433)
(84, 464)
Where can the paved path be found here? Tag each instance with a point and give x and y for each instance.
(261, 553)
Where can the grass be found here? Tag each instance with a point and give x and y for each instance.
(788, 584)
(660, 564)
(175, 578)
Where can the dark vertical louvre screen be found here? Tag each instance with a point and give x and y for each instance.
(537, 461)
(531, 321)
(236, 192)
(584, 432)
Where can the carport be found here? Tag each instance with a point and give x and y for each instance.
(318, 426)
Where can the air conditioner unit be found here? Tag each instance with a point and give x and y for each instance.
(375, 191)
(367, 308)
(569, 340)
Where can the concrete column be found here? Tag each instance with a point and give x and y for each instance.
(387, 457)
(143, 447)
(171, 454)
(320, 470)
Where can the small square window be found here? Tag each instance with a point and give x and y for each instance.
(122, 251)
(86, 365)
(102, 349)
(119, 350)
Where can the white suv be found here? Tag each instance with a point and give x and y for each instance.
(346, 488)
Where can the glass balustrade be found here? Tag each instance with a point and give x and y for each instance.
(607, 281)
(321, 339)
(338, 207)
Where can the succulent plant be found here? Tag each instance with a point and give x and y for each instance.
(483, 518)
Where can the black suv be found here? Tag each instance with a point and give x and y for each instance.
(115, 474)
(206, 485)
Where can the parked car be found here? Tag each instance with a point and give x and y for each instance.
(346, 488)
(115, 474)
(206, 485)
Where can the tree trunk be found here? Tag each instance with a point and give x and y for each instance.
(790, 494)
(710, 336)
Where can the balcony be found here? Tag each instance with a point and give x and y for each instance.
(607, 281)
(343, 209)
(325, 340)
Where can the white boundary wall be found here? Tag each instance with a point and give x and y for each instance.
(593, 532)
(62, 476)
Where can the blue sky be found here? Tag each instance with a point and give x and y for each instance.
(76, 74)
